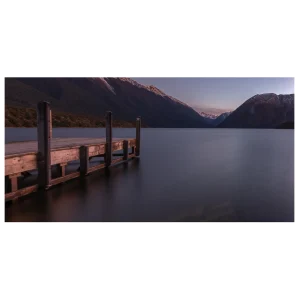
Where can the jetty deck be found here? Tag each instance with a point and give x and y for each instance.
(47, 155)
(31, 147)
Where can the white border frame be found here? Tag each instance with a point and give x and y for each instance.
(194, 76)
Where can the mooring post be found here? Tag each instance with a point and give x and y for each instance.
(44, 143)
(14, 181)
(108, 150)
(7, 184)
(50, 124)
(138, 136)
(84, 160)
(125, 150)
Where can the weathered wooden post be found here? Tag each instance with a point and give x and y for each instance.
(50, 124)
(44, 144)
(7, 185)
(84, 160)
(14, 181)
(138, 136)
(125, 150)
(108, 146)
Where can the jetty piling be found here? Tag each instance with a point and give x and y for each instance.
(108, 125)
(138, 136)
(27, 156)
(44, 130)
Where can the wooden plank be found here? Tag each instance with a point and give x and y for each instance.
(115, 161)
(31, 147)
(27, 162)
(84, 160)
(95, 168)
(108, 149)
(117, 146)
(96, 150)
(131, 143)
(63, 169)
(100, 155)
(25, 191)
(44, 139)
(14, 182)
(15, 175)
(62, 156)
(19, 164)
(138, 136)
(65, 178)
(21, 192)
(125, 150)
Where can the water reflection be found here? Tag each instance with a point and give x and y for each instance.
(182, 175)
(224, 212)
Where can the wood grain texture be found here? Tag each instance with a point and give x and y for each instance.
(14, 182)
(62, 169)
(21, 192)
(95, 168)
(96, 150)
(20, 163)
(23, 156)
(115, 161)
(62, 151)
(65, 178)
(63, 156)
(30, 147)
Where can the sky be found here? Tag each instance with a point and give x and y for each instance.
(225, 93)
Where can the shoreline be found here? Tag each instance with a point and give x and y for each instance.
(155, 127)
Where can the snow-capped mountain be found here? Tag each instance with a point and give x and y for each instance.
(214, 116)
(207, 115)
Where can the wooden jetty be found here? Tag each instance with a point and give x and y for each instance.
(45, 153)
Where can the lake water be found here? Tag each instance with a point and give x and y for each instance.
(182, 175)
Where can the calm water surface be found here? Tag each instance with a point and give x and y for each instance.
(182, 175)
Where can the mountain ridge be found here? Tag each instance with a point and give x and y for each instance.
(267, 110)
(125, 97)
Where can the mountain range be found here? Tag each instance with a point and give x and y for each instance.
(127, 99)
(214, 119)
(262, 111)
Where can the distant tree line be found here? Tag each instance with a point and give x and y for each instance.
(27, 117)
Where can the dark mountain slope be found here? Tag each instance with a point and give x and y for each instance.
(221, 118)
(286, 125)
(126, 98)
(262, 111)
